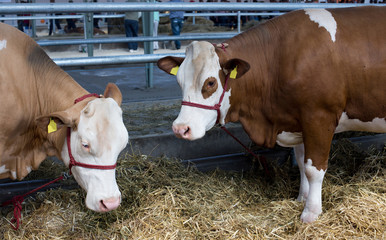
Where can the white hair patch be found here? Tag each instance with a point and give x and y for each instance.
(325, 19)
(226, 105)
(13, 173)
(3, 44)
(3, 169)
(347, 124)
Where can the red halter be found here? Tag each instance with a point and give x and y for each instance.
(72, 160)
(214, 107)
(218, 105)
(18, 200)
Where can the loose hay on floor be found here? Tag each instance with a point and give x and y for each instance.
(164, 200)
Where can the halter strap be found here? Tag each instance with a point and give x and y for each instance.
(87, 96)
(18, 200)
(73, 162)
(84, 165)
(214, 107)
(218, 105)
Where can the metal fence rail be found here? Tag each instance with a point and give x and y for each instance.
(143, 7)
(137, 39)
(89, 8)
(125, 59)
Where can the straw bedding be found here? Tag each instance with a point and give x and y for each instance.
(163, 199)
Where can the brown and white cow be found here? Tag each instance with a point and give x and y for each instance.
(35, 93)
(298, 78)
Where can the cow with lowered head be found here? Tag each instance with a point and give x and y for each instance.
(38, 116)
(294, 80)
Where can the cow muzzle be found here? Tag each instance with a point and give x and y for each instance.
(182, 131)
(109, 204)
(191, 130)
(103, 204)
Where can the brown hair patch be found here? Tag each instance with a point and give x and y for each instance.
(209, 87)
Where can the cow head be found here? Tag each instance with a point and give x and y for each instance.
(98, 135)
(201, 76)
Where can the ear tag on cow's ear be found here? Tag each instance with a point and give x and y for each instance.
(174, 70)
(233, 73)
(52, 126)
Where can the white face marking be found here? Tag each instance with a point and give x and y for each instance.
(313, 206)
(201, 62)
(29, 169)
(102, 128)
(3, 169)
(3, 44)
(345, 124)
(324, 18)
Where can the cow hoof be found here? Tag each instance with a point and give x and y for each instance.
(309, 216)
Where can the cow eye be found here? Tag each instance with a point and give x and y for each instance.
(211, 83)
(209, 87)
(86, 146)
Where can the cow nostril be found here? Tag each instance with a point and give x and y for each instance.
(186, 131)
(103, 205)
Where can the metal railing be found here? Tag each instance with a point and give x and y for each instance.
(89, 8)
(166, 6)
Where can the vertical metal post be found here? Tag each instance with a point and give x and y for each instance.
(238, 22)
(147, 26)
(33, 23)
(89, 31)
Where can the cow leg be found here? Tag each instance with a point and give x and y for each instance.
(313, 207)
(317, 141)
(304, 185)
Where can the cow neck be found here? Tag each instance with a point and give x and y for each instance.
(57, 90)
(73, 162)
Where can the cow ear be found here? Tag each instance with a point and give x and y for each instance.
(112, 91)
(54, 121)
(236, 67)
(170, 64)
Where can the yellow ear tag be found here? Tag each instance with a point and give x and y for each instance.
(52, 126)
(233, 73)
(174, 70)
